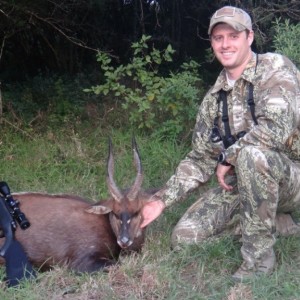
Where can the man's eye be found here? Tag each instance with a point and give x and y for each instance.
(217, 38)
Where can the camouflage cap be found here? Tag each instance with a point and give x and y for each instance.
(233, 16)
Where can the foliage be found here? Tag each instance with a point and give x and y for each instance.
(152, 101)
(286, 39)
(45, 99)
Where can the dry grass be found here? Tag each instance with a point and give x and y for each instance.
(240, 291)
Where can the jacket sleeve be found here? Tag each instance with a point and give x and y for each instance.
(276, 102)
(199, 164)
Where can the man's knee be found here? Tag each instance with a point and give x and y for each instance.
(255, 159)
(263, 166)
(187, 235)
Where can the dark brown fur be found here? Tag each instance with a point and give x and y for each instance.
(69, 231)
(63, 233)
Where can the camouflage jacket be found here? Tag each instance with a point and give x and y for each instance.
(276, 83)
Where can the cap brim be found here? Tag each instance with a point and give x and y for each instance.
(233, 24)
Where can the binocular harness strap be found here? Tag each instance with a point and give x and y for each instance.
(225, 118)
(251, 103)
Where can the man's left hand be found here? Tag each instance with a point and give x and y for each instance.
(221, 172)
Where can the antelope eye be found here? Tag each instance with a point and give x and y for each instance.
(135, 215)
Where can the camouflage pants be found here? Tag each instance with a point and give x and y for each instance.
(265, 183)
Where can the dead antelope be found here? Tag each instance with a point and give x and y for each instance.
(68, 231)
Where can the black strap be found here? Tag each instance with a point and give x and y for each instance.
(225, 118)
(251, 103)
(250, 96)
(229, 139)
(216, 119)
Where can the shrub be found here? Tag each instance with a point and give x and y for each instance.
(45, 99)
(153, 102)
(286, 39)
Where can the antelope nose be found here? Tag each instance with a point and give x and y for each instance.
(124, 240)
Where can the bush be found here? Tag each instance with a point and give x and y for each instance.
(45, 99)
(286, 40)
(153, 102)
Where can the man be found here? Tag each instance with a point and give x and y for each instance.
(247, 133)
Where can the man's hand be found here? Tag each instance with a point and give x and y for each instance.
(221, 172)
(151, 211)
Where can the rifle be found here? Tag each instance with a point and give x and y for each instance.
(16, 262)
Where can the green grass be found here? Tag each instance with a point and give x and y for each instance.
(69, 160)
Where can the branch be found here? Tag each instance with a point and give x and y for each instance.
(69, 38)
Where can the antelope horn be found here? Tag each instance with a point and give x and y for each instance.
(133, 192)
(112, 187)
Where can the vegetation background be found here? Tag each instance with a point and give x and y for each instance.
(74, 73)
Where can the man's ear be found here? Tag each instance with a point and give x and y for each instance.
(250, 37)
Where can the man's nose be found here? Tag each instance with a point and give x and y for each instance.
(225, 42)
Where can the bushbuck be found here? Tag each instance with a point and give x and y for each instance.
(69, 231)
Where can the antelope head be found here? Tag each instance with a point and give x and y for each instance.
(124, 206)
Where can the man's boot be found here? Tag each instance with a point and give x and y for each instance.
(285, 225)
(265, 265)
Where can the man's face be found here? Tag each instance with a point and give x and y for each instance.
(232, 48)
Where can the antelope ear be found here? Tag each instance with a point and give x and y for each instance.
(100, 208)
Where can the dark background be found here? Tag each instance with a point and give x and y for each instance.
(57, 36)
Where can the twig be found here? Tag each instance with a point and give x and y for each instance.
(17, 128)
